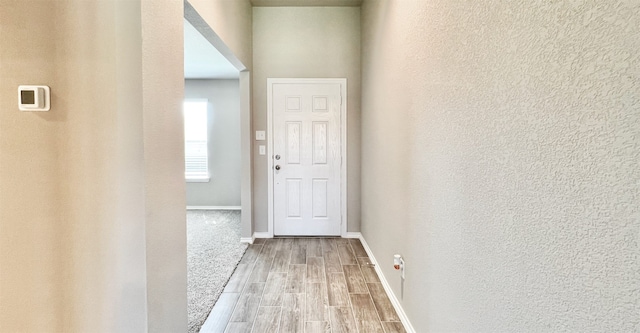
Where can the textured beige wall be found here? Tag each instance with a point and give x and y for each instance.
(72, 221)
(83, 191)
(223, 189)
(246, 158)
(34, 255)
(163, 92)
(500, 155)
(307, 42)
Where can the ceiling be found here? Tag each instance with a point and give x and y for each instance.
(202, 60)
(302, 3)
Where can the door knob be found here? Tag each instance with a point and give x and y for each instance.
(277, 167)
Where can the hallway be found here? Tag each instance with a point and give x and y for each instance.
(304, 285)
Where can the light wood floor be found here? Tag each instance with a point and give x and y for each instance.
(304, 285)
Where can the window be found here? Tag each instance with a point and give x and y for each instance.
(195, 140)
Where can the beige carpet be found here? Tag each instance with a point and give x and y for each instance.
(213, 252)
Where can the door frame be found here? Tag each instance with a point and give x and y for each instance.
(343, 145)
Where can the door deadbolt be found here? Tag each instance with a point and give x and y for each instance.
(277, 167)
(277, 157)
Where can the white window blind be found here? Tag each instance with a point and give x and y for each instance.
(195, 139)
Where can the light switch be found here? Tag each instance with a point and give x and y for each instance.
(260, 136)
(263, 150)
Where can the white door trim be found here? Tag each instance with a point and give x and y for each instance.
(343, 145)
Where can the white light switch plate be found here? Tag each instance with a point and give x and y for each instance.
(263, 150)
(260, 135)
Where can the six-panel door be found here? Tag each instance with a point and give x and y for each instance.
(307, 152)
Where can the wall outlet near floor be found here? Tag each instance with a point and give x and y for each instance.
(398, 264)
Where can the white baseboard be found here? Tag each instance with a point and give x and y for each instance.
(352, 235)
(214, 208)
(262, 235)
(247, 239)
(253, 237)
(385, 284)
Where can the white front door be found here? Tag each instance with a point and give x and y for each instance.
(307, 156)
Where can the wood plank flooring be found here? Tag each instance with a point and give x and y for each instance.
(305, 285)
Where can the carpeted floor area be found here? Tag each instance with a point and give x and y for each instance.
(213, 252)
